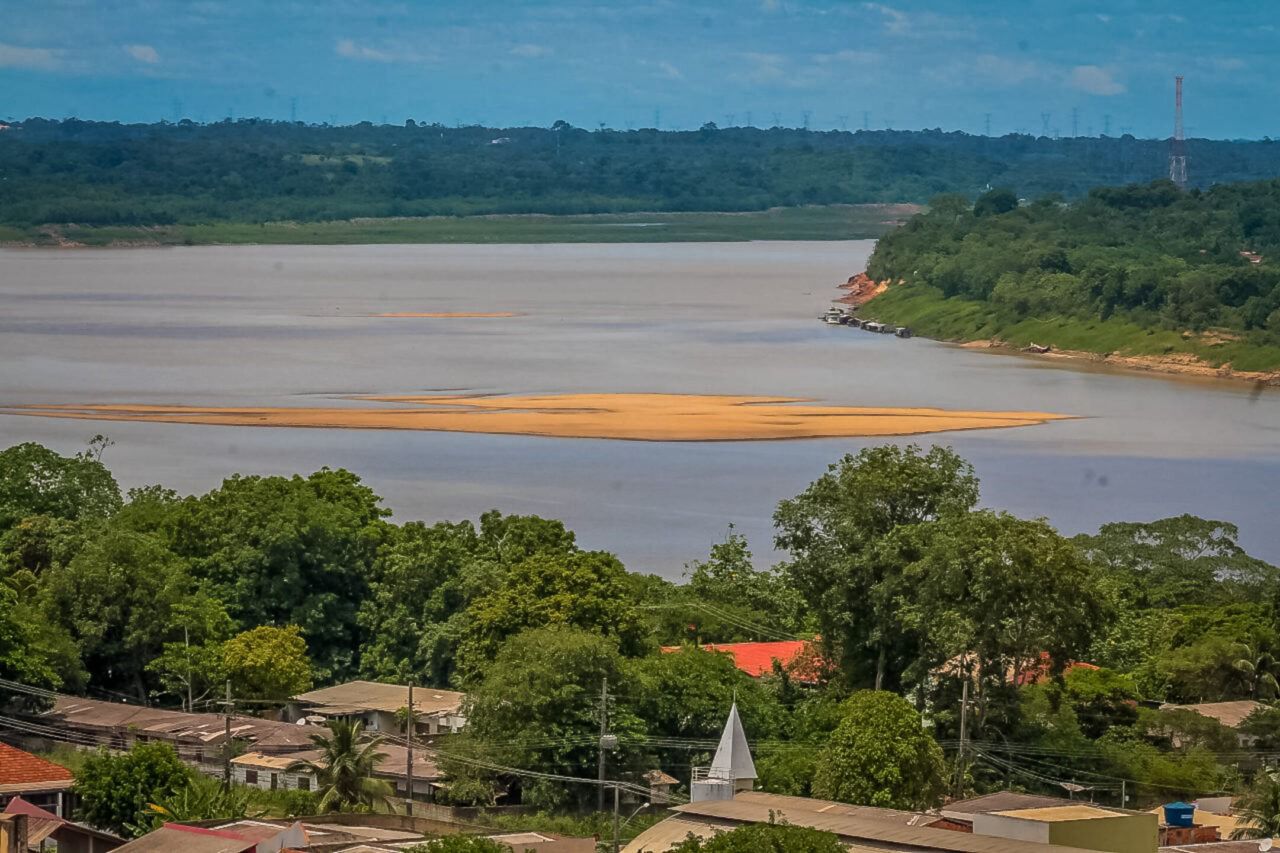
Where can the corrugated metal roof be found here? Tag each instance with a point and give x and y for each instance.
(854, 828)
(1230, 714)
(356, 696)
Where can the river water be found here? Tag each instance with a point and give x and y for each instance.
(224, 326)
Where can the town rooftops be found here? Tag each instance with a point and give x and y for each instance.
(393, 762)
(1002, 801)
(180, 727)
(189, 839)
(355, 697)
(1230, 714)
(859, 827)
(22, 772)
(756, 659)
(1058, 814)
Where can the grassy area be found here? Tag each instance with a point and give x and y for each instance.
(833, 222)
(931, 314)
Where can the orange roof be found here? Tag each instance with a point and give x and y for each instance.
(19, 769)
(755, 659)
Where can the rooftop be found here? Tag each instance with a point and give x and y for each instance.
(177, 726)
(361, 696)
(1002, 801)
(1057, 814)
(171, 837)
(1230, 714)
(755, 659)
(21, 771)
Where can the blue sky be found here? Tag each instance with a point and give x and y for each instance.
(899, 63)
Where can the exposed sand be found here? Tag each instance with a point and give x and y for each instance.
(1178, 363)
(447, 315)
(635, 417)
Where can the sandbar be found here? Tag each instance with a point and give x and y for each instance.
(631, 417)
(447, 315)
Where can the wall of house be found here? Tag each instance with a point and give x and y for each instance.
(1011, 827)
(1136, 833)
(261, 777)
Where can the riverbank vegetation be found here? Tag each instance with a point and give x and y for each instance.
(899, 582)
(226, 174)
(1135, 271)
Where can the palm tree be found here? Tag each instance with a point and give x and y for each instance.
(344, 772)
(204, 799)
(1257, 671)
(1259, 809)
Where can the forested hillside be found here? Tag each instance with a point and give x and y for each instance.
(1144, 270)
(253, 171)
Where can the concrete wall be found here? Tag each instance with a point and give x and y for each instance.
(1124, 833)
(1013, 828)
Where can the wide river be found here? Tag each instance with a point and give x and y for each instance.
(290, 326)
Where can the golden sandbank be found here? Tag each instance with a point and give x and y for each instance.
(634, 417)
(447, 315)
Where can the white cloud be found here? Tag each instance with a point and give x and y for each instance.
(1002, 70)
(770, 5)
(143, 53)
(38, 58)
(531, 51)
(670, 70)
(851, 57)
(1106, 19)
(895, 21)
(352, 50)
(1095, 80)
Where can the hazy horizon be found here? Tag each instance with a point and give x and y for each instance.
(1081, 69)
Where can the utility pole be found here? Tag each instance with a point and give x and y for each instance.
(617, 829)
(604, 732)
(408, 762)
(1124, 800)
(964, 733)
(226, 740)
(186, 641)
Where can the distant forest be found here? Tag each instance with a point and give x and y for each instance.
(99, 173)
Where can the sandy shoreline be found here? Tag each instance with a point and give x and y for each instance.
(629, 417)
(1178, 364)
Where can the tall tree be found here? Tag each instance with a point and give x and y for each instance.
(35, 480)
(880, 755)
(288, 551)
(1259, 809)
(267, 663)
(115, 790)
(836, 531)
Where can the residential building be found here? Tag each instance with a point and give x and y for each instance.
(277, 772)
(37, 781)
(47, 831)
(1230, 714)
(798, 657)
(375, 704)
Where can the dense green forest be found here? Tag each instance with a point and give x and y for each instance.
(1141, 269)
(279, 583)
(101, 173)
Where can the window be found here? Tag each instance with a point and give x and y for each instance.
(251, 777)
(275, 781)
(304, 783)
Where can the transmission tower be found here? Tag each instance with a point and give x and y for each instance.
(749, 124)
(1178, 145)
(1075, 122)
(1044, 122)
(1106, 125)
(777, 119)
(866, 120)
(986, 120)
(730, 119)
(844, 122)
(293, 110)
(806, 114)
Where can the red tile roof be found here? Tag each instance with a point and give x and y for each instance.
(18, 768)
(755, 659)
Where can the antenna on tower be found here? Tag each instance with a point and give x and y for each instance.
(806, 114)
(1178, 145)
(986, 118)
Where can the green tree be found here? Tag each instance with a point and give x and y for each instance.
(538, 707)
(880, 755)
(764, 838)
(288, 551)
(267, 663)
(191, 667)
(344, 772)
(35, 480)
(460, 844)
(33, 652)
(996, 593)
(585, 590)
(115, 790)
(836, 531)
(996, 201)
(1258, 810)
(201, 798)
(117, 598)
(728, 580)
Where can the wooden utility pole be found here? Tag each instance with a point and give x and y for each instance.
(964, 732)
(617, 830)
(604, 730)
(226, 739)
(408, 769)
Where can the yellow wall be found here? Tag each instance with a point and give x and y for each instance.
(1138, 833)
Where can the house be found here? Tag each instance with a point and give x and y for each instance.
(660, 785)
(1076, 825)
(197, 738)
(46, 830)
(860, 828)
(798, 657)
(1230, 714)
(334, 833)
(274, 772)
(39, 782)
(375, 704)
